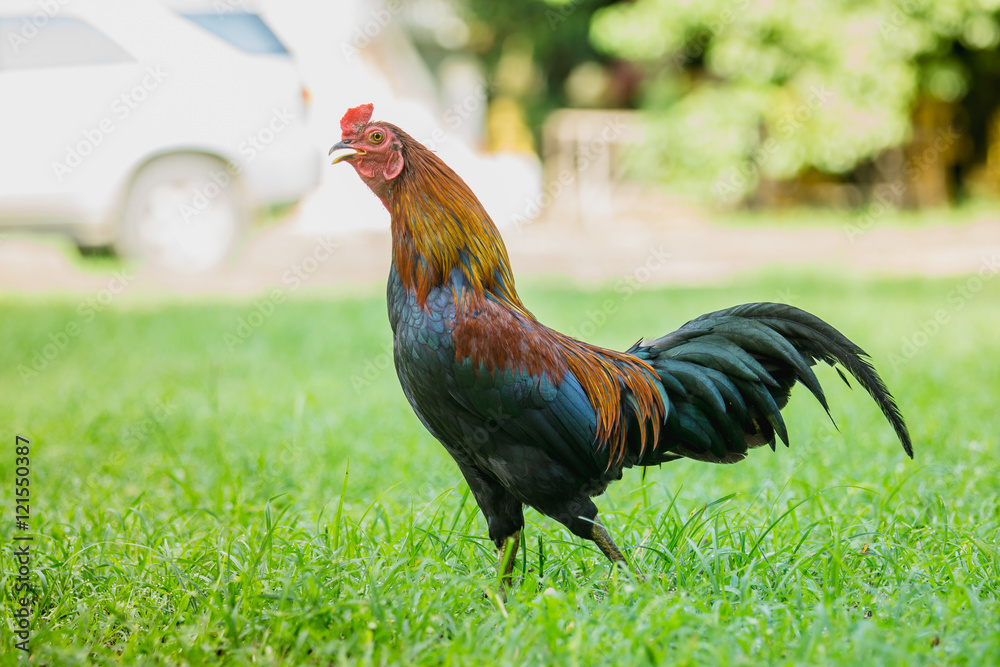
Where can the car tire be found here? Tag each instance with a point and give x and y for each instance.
(184, 213)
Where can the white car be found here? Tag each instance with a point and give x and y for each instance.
(155, 128)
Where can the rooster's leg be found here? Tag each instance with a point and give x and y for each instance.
(504, 515)
(508, 555)
(602, 538)
(580, 516)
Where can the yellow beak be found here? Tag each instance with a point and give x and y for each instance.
(343, 151)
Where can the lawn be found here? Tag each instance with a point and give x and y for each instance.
(211, 485)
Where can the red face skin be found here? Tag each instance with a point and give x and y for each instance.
(378, 156)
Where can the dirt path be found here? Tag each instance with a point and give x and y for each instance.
(685, 250)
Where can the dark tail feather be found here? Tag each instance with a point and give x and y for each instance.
(813, 337)
(728, 375)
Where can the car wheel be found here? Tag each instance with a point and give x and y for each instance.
(183, 213)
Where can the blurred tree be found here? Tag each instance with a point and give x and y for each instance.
(741, 91)
(552, 37)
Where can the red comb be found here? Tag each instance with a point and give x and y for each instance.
(355, 118)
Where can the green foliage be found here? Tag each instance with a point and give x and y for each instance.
(555, 33)
(193, 502)
(738, 89)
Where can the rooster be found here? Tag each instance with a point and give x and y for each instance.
(534, 417)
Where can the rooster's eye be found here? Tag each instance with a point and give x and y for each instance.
(376, 137)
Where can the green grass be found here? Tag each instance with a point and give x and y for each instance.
(192, 503)
(862, 219)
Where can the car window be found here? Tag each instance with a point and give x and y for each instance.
(246, 31)
(58, 42)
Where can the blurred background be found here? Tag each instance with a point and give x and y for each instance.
(187, 139)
